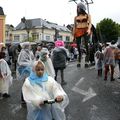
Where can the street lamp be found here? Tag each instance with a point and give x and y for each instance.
(42, 32)
(27, 26)
(90, 2)
(43, 27)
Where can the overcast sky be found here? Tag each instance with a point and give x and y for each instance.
(57, 11)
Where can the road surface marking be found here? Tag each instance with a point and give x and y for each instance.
(15, 108)
(80, 81)
(88, 94)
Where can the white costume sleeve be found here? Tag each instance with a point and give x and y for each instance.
(33, 94)
(5, 71)
(5, 68)
(58, 91)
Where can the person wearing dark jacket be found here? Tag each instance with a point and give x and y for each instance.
(59, 57)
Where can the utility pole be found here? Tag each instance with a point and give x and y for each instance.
(42, 26)
(56, 34)
(87, 3)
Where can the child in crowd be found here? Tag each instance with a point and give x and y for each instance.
(5, 77)
(99, 61)
(43, 54)
(39, 87)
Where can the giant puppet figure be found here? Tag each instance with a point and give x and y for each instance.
(82, 31)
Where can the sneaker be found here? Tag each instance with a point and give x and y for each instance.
(5, 95)
(63, 83)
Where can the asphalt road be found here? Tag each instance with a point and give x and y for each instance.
(90, 98)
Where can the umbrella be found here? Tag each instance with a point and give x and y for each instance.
(73, 45)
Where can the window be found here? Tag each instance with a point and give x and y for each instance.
(24, 36)
(67, 38)
(47, 37)
(35, 36)
(6, 33)
(60, 37)
(16, 38)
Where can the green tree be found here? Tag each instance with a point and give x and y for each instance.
(107, 30)
(118, 27)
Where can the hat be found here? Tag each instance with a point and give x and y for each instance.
(59, 43)
(81, 6)
(44, 51)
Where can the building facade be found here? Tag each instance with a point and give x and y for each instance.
(37, 30)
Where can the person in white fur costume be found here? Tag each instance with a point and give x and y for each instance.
(39, 87)
(5, 77)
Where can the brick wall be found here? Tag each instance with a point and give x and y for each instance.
(1, 30)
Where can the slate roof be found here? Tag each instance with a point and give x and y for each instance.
(39, 23)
